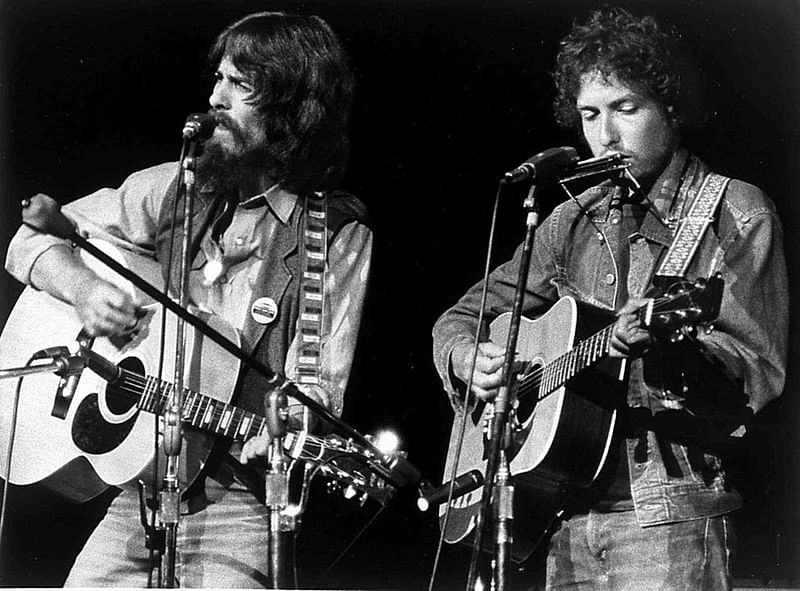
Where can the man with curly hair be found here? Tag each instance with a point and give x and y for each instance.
(281, 101)
(659, 515)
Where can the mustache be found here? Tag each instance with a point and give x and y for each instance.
(225, 121)
(222, 119)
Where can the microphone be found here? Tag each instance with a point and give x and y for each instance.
(403, 472)
(199, 126)
(73, 359)
(545, 164)
(69, 367)
(464, 484)
(110, 372)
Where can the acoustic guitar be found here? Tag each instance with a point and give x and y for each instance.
(105, 433)
(565, 409)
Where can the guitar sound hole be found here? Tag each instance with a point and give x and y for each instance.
(119, 398)
(528, 394)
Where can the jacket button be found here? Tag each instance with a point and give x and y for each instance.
(610, 279)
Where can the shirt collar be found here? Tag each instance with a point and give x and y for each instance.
(665, 189)
(656, 225)
(279, 200)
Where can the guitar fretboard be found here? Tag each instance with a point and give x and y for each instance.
(563, 368)
(202, 412)
(342, 459)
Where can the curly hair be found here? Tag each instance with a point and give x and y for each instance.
(637, 50)
(304, 90)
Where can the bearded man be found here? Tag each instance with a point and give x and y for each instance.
(281, 102)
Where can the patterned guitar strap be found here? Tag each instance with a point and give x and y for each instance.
(687, 238)
(314, 254)
(690, 232)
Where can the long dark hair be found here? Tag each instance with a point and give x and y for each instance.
(643, 55)
(303, 89)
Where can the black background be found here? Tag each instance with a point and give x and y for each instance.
(451, 94)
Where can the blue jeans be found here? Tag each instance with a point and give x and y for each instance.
(611, 551)
(222, 545)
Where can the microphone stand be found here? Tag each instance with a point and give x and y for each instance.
(170, 495)
(498, 492)
(277, 487)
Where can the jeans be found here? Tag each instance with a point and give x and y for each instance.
(224, 544)
(611, 551)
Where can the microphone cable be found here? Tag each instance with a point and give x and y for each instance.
(462, 426)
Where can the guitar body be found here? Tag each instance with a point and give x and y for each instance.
(561, 442)
(99, 437)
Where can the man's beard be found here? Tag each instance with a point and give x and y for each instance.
(229, 169)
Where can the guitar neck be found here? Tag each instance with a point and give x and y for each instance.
(202, 412)
(585, 354)
(563, 368)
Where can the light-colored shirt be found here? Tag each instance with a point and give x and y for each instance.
(128, 218)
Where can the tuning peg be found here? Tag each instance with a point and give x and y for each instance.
(709, 328)
(352, 492)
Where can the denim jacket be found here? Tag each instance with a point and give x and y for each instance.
(724, 375)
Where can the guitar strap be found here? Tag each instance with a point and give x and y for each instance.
(691, 230)
(311, 285)
(314, 253)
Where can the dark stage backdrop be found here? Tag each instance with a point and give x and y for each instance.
(451, 94)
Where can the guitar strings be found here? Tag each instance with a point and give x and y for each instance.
(136, 387)
(531, 382)
(150, 396)
(326, 457)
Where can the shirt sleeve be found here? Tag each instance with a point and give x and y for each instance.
(459, 324)
(750, 335)
(346, 279)
(125, 217)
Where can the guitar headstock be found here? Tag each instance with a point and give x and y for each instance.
(684, 305)
(356, 469)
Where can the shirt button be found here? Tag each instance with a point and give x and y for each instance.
(239, 241)
(610, 279)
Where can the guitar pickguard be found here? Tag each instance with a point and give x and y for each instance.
(92, 434)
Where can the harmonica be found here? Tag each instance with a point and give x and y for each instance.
(609, 163)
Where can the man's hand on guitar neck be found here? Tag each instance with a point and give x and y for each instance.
(628, 338)
(487, 376)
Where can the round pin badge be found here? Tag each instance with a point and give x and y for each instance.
(264, 310)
